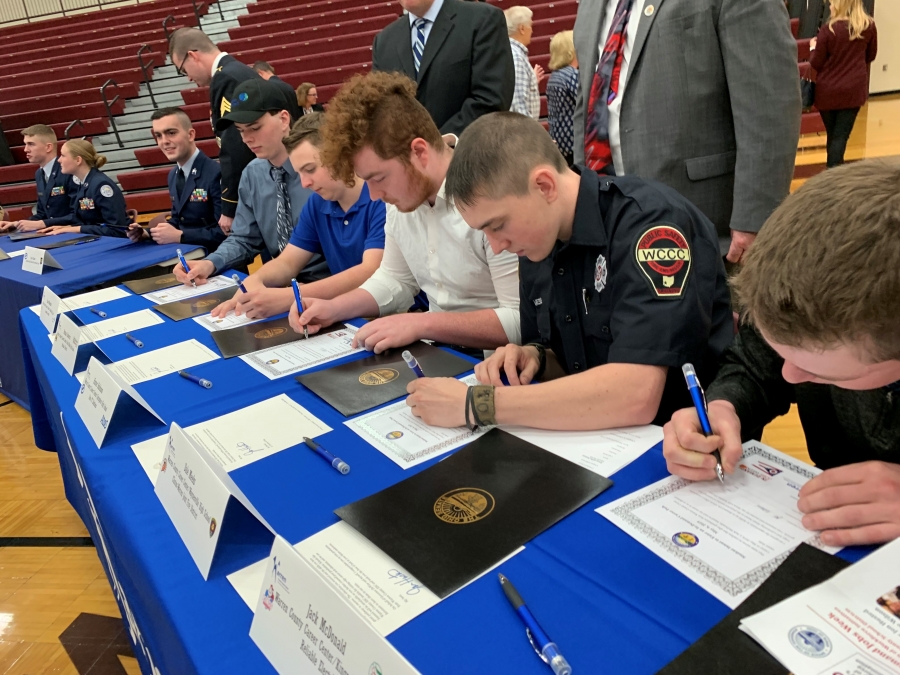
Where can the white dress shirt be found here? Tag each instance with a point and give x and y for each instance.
(432, 249)
(431, 15)
(48, 169)
(615, 108)
(216, 62)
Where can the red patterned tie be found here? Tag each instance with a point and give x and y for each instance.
(604, 89)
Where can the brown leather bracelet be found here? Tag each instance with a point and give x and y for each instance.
(483, 405)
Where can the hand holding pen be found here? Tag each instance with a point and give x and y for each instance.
(699, 399)
(299, 300)
(184, 266)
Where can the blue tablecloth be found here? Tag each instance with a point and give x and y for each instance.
(611, 604)
(83, 265)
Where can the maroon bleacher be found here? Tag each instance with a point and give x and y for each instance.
(68, 89)
(288, 34)
(88, 127)
(154, 156)
(92, 61)
(71, 79)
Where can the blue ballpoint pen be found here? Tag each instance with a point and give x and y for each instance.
(299, 305)
(137, 343)
(336, 462)
(236, 279)
(413, 363)
(99, 313)
(206, 384)
(699, 399)
(184, 266)
(540, 641)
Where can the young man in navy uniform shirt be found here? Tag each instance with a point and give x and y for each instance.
(339, 221)
(55, 190)
(621, 283)
(194, 187)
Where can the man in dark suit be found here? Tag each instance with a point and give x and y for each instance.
(267, 72)
(195, 55)
(457, 53)
(55, 189)
(194, 187)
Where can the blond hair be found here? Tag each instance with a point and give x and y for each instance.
(562, 50)
(853, 12)
(41, 131)
(823, 270)
(81, 148)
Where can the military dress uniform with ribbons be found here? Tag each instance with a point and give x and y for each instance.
(197, 206)
(100, 206)
(55, 197)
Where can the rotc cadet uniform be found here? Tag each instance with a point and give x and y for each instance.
(640, 281)
(100, 206)
(55, 197)
(234, 155)
(197, 203)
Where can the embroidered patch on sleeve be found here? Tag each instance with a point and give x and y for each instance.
(664, 257)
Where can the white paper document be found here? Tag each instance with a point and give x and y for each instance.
(603, 452)
(120, 325)
(404, 438)
(90, 299)
(849, 624)
(243, 436)
(276, 362)
(16, 254)
(727, 538)
(163, 361)
(183, 292)
(212, 323)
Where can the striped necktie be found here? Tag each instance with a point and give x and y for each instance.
(419, 41)
(284, 224)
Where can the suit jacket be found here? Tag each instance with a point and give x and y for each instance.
(196, 211)
(711, 106)
(100, 206)
(55, 197)
(234, 155)
(467, 67)
(290, 97)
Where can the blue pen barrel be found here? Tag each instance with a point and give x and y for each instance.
(700, 404)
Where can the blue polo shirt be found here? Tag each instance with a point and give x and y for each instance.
(341, 237)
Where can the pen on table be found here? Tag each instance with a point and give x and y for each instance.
(699, 399)
(540, 641)
(184, 266)
(193, 378)
(413, 364)
(299, 305)
(137, 343)
(98, 312)
(336, 462)
(236, 279)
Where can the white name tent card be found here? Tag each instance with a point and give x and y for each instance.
(214, 518)
(36, 259)
(99, 400)
(303, 627)
(51, 306)
(67, 340)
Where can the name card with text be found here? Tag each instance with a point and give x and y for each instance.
(303, 627)
(51, 306)
(65, 346)
(99, 398)
(36, 259)
(197, 494)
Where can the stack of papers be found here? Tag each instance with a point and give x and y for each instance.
(182, 292)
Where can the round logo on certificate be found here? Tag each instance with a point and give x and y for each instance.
(375, 669)
(810, 641)
(685, 539)
(464, 505)
(269, 333)
(393, 435)
(212, 526)
(378, 376)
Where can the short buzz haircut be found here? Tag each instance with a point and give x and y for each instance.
(41, 131)
(305, 129)
(182, 116)
(186, 40)
(263, 66)
(495, 157)
(377, 110)
(824, 269)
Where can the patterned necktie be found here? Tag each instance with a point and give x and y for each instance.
(284, 224)
(419, 42)
(604, 89)
(179, 182)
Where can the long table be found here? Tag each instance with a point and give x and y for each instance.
(84, 265)
(611, 604)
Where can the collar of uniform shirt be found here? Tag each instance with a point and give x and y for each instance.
(186, 167)
(48, 168)
(587, 228)
(217, 61)
(430, 15)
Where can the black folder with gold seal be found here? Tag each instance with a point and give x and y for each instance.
(141, 286)
(255, 336)
(460, 517)
(361, 385)
(196, 306)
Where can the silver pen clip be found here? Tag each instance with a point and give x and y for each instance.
(535, 647)
(585, 299)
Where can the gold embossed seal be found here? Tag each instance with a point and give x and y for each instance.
(464, 505)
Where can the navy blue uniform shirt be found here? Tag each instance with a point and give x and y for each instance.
(100, 206)
(55, 197)
(197, 209)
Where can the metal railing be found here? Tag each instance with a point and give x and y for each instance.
(165, 24)
(140, 54)
(109, 112)
(69, 128)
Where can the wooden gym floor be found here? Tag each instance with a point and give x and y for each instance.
(57, 612)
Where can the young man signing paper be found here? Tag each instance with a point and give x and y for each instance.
(621, 284)
(820, 291)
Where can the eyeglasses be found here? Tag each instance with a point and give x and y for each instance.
(180, 69)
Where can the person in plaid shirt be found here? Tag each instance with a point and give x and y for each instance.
(526, 98)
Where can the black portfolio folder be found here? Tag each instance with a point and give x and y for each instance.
(255, 336)
(196, 306)
(361, 385)
(460, 517)
(141, 286)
